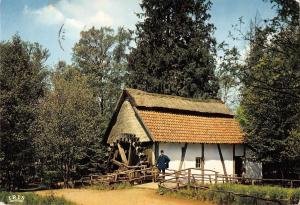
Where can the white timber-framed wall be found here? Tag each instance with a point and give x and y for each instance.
(212, 158)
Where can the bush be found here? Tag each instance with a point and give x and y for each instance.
(33, 199)
(241, 194)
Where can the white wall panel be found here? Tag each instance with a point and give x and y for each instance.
(211, 156)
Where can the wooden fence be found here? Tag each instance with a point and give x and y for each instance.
(133, 175)
(186, 177)
(196, 179)
(176, 179)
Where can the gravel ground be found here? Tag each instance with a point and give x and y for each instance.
(132, 196)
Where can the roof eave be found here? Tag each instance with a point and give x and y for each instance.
(114, 116)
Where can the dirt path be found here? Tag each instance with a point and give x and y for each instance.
(133, 196)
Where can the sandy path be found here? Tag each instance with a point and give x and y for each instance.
(133, 196)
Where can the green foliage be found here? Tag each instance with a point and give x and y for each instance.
(220, 194)
(270, 91)
(175, 50)
(288, 11)
(68, 140)
(271, 99)
(241, 116)
(34, 199)
(228, 68)
(22, 83)
(100, 55)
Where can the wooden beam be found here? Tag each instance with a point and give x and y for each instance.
(202, 162)
(122, 153)
(183, 151)
(156, 150)
(223, 163)
(139, 118)
(233, 159)
(130, 154)
(116, 154)
(120, 164)
(202, 156)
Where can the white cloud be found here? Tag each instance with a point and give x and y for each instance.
(74, 14)
(47, 15)
(244, 52)
(100, 17)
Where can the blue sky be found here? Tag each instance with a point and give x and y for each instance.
(40, 20)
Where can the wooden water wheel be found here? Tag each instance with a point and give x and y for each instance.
(126, 152)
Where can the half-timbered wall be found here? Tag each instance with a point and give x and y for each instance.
(212, 159)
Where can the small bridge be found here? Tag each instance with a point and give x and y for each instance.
(130, 174)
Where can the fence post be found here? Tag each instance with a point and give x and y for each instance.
(202, 176)
(152, 174)
(177, 182)
(216, 177)
(130, 176)
(189, 179)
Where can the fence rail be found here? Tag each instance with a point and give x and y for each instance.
(136, 174)
(179, 178)
(199, 176)
(191, 180)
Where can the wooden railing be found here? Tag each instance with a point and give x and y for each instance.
(133, 174)
(189, 179)
(196, 176)
(179, 178)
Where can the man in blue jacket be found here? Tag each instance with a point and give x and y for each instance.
(162, 162)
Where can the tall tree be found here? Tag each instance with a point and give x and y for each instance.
(100, 54)
(68, 128)
(271, 92)
(175, 49)
(227, 71)
(22, 76)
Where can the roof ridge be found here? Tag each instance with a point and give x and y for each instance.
(175, 96)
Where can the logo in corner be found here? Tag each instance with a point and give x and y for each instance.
(16, 198)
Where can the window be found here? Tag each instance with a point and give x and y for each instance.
(198, 162)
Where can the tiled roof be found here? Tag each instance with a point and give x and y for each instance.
(174, 127)
(153, 100)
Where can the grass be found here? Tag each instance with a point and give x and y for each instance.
(32, 199)
(223, 194)
(103, 186)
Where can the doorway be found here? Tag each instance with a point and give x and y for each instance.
(238, 160)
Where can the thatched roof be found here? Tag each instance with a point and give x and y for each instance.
(152, 100)
(127, 123)
(165, 118)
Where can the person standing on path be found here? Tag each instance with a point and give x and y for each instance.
(162, 162)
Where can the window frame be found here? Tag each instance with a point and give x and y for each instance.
(198, 161)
